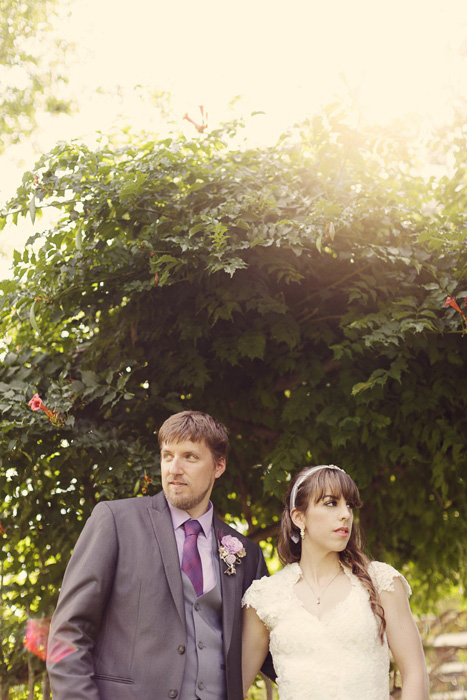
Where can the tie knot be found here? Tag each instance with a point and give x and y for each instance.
(192, 527)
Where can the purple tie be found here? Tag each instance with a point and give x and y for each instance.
(191, 561)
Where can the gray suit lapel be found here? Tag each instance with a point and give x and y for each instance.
(231, 590)
(165, 536)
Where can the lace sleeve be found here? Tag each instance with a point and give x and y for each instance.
(383, 576)
(257, 597)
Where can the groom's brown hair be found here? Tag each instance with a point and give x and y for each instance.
(196, 426)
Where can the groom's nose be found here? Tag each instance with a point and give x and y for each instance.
(175, 466)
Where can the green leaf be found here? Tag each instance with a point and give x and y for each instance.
(89, 378)
(110, 396)
(379, 376)
(252, 344)
(196, 229)
(132, 186)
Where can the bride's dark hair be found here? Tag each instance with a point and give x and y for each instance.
(319, 484)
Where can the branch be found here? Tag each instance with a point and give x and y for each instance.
(321, 318)
(245, 506)
(264, 532)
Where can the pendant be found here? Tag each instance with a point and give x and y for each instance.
(318, 601)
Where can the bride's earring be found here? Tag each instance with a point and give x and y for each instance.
(302, 533)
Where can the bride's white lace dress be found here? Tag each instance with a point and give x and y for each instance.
(337, 658)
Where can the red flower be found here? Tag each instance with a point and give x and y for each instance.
(452, 302)
(146, 481)
(37, 634)
(204, 117)
(36, 403)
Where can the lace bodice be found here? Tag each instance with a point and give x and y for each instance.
(338, 657)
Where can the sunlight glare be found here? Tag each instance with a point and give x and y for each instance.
(404, 59)
(287, 59)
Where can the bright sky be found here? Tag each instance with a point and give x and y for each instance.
(286, 58)
(398, 58)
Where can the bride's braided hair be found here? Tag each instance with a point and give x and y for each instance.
(316, 486)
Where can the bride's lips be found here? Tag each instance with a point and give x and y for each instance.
(342, 531)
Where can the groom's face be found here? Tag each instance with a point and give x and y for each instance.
(188, 471)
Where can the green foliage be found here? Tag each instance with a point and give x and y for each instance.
(31, 78)
(296, 293)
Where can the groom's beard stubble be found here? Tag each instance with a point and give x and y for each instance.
(186, 501)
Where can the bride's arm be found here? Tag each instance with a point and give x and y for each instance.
(255, 645)
(405, 643)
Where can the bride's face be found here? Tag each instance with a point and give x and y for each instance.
(327, 523)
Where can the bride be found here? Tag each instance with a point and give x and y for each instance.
(331, 616)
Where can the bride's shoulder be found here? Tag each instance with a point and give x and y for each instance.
(289, 574)
(269, 595)
(383, 576)
(270, 585)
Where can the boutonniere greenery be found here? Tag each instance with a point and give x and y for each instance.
(231, 551)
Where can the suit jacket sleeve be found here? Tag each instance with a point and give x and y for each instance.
(86, 586)
(262, 569)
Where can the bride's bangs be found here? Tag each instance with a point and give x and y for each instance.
(332, 482)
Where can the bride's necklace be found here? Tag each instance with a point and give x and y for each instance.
(318, 597)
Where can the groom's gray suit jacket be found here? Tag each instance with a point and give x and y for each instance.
(121, 607)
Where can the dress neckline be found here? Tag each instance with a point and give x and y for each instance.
(299, 574)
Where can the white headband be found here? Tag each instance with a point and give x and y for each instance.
(300, 481)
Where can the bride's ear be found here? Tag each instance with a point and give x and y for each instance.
(297, 518)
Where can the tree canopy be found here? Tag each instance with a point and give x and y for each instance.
(31, 75)
(295, 292)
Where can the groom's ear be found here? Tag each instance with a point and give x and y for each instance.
(220, 467)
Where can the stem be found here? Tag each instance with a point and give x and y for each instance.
(31, 680)
(45, 686)
(322, 318)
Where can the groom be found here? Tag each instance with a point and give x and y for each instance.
(146, 605)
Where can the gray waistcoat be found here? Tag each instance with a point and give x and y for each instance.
(204, 676)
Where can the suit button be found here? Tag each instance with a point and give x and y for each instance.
(201, 645)
(197, 606)
(201, 685)
(173, 693)
(181, 649)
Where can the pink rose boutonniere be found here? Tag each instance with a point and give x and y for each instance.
(231, 551)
